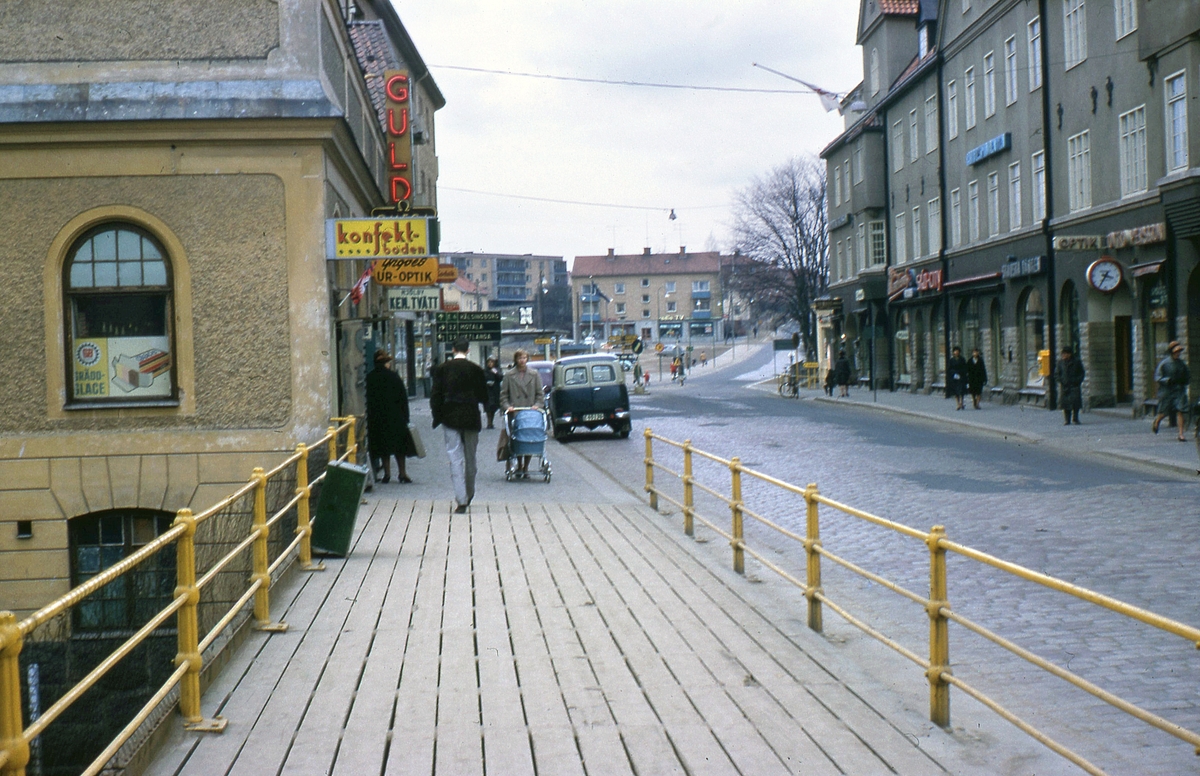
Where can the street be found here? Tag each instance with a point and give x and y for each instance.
(1115, 530)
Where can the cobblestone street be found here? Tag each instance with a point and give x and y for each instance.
(1121, 529)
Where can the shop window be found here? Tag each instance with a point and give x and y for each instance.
(118, 311)
(937, 327)
(102, 539)
(1032, 331)
(996, 340)
(968, 326)
(1069, 305)
(904, 354)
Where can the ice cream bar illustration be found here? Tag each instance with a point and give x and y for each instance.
(139, 371)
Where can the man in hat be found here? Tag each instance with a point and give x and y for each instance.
(1172, 377)
(459, 387)
(1069, 374)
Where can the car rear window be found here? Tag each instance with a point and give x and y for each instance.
(575, 375)
(603, 373)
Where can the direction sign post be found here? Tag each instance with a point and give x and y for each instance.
(475, 327)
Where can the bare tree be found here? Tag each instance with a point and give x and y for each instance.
(780, 225)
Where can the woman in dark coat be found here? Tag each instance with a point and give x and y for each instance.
(956, 377)
(387, 418)
(494, 376)
(841, 373)
(976, 376)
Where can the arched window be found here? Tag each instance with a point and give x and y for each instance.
(1032, 331)
(874, 71)
(102, 539)
(118, 312)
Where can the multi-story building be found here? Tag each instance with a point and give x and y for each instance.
(509, 281)
(673, 298)
(995, 238)
(166, 178)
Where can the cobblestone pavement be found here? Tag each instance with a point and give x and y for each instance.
(1108, 508)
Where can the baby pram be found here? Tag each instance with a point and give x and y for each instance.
(526, 436)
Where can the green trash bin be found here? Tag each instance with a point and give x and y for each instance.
(341, 492)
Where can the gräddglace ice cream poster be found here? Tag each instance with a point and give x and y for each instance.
(119, 367)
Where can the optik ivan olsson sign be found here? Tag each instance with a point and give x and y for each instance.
(417, 271)
(376, 238)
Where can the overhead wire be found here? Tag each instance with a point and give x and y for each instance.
(576, 201)
(619, 82)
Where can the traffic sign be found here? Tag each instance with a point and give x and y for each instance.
(638, 346)
(658, 347)
(476, 327)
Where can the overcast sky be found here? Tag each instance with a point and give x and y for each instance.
(648, 149)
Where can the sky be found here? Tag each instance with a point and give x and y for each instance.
(648, 150)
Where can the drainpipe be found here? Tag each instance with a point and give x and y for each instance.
(1052, 285)
(888, 252)
(945, 263)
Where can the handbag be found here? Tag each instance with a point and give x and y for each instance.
(418, 445)
(503, 450)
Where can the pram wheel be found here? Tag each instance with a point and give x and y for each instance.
(546, 470)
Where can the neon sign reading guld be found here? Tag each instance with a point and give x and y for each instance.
(399, 134)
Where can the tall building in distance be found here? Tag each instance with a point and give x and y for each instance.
(511, 281)
(999, 187)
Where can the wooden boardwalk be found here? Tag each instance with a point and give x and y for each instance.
(540, 639)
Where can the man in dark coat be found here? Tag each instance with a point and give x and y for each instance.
(387, 418)
(1069, 375)
(459, 387)
(956, 377)
(976, 376)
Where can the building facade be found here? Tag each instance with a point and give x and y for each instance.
(165, 184)
(1002, 228)
(668, 298)
(511, 281)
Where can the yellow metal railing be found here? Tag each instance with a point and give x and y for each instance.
(937, 606)
(16, 738)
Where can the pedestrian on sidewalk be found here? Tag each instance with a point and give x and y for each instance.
(976, 376)
(1172, 377)
(1069, 375)
(829, 382)
(521, 388)
(387, 419)
(674, 368)
(459, 387)
(493, 375)
(956, 377)
(841, 374)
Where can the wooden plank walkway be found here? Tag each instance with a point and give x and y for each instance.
(540, 639)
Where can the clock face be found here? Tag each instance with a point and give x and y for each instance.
(1104, 275)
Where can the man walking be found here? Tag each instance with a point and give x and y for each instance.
(459, 387)
(1172, 377)
(1069, 374)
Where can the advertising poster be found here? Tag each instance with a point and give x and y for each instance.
(119, 367)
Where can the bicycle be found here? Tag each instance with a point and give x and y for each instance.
(789, 387)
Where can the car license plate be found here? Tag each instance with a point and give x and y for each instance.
(593, 416)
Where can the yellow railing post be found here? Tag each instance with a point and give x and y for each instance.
(735, 506)
(12, 723)
(262, 574)
(352, 439)
(188, 629)
(811, 544)
(688, 501)
(303, 521)
(650, 470)
(939, 631)
(333, 435)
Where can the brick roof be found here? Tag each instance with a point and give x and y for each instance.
(374, 57)
(900, 7)
(648, 264)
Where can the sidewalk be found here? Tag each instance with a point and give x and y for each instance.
(1107, 433)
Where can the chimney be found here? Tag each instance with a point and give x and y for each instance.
(611, 251)
(645, 251)
(682, 249)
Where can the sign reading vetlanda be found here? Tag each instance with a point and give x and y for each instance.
(376, 238)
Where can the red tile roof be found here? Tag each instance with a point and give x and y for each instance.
(374, 57)
(648, 264)
(900, 7)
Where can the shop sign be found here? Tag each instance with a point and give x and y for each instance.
(376, 238)
(136, 367)
(902, 335)
(399, 134)
(860, 294)
(990, 148)
(1077, 243)
(1022, 268)
(416, 300)
(447, 273)
(929, 280)
(1141, 235)
(898, 280)
(420, 271)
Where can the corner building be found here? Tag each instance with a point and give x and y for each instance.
(169, 317)
(1034, 197)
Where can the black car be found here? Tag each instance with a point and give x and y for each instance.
(589, 392)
